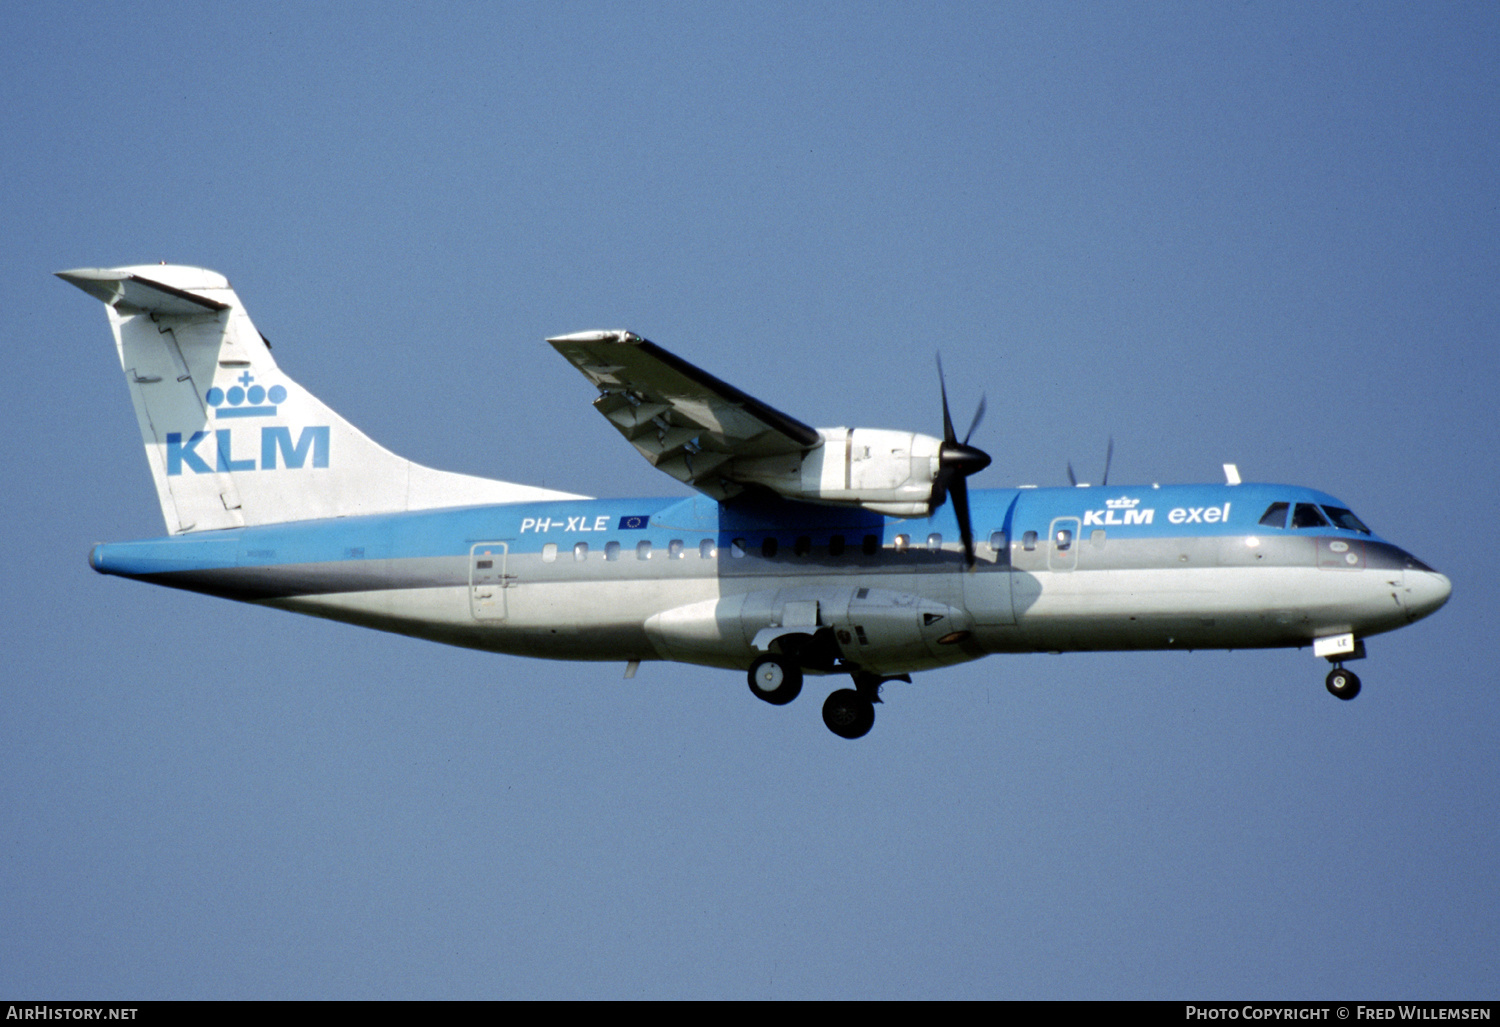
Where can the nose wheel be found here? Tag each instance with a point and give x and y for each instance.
(1343, 683)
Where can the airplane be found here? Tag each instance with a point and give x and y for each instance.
(802, 552)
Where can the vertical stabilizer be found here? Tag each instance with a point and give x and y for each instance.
(233, 441)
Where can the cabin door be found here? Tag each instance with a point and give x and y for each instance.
(488, 581)
(1062, 548)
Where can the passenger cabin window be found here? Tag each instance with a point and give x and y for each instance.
(1308, 516)
(836, 546)
(643, 550)
(580, 550)
(902, 541)
(1344, 519)
(768, 548)
(803, 546)
(611, 550)
(934, 542)
(1275, 516)
(674, 549)
(871, 545)
(706, 549)
(737, 548)
(549, 553)
(1028, 541)
(997, 541)
(1064, 538)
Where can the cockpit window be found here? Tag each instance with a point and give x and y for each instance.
(1308, 516)
(1345, 519)
(1275, 515)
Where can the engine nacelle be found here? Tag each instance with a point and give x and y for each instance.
(888, 472)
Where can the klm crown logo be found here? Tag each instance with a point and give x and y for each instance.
(1122, 511)
(234, 450)
(231, 402)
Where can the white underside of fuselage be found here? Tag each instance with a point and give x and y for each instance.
(1008, 612)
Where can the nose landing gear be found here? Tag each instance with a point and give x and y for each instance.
(1343, 683)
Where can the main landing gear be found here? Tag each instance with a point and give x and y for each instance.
(775, 679)
(848, 712)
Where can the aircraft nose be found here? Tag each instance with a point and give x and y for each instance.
(1426, 591)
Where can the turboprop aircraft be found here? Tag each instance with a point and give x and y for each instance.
(855, 551)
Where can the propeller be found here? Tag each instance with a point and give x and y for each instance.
(956, 461)
(1109, 457)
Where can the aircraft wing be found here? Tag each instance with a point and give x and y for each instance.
(683, 420)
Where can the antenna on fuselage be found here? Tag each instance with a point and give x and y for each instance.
(1109, 456)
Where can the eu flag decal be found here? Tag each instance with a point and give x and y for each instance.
(634, 523)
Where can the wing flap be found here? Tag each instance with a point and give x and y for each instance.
(682, 419)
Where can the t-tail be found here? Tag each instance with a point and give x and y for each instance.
(231, 440)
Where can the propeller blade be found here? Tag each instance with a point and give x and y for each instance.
(948, 433)
(978, 416)
(965, 525)
(956, 461)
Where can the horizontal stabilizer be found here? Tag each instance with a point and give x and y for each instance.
(125, 290)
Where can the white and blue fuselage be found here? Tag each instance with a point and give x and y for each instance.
(1171, 567)
(814, 550)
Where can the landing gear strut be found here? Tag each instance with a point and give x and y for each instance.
(1343, 683)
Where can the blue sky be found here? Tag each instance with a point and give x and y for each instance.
(1260, 233)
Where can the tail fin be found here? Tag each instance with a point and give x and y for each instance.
(231, 440)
